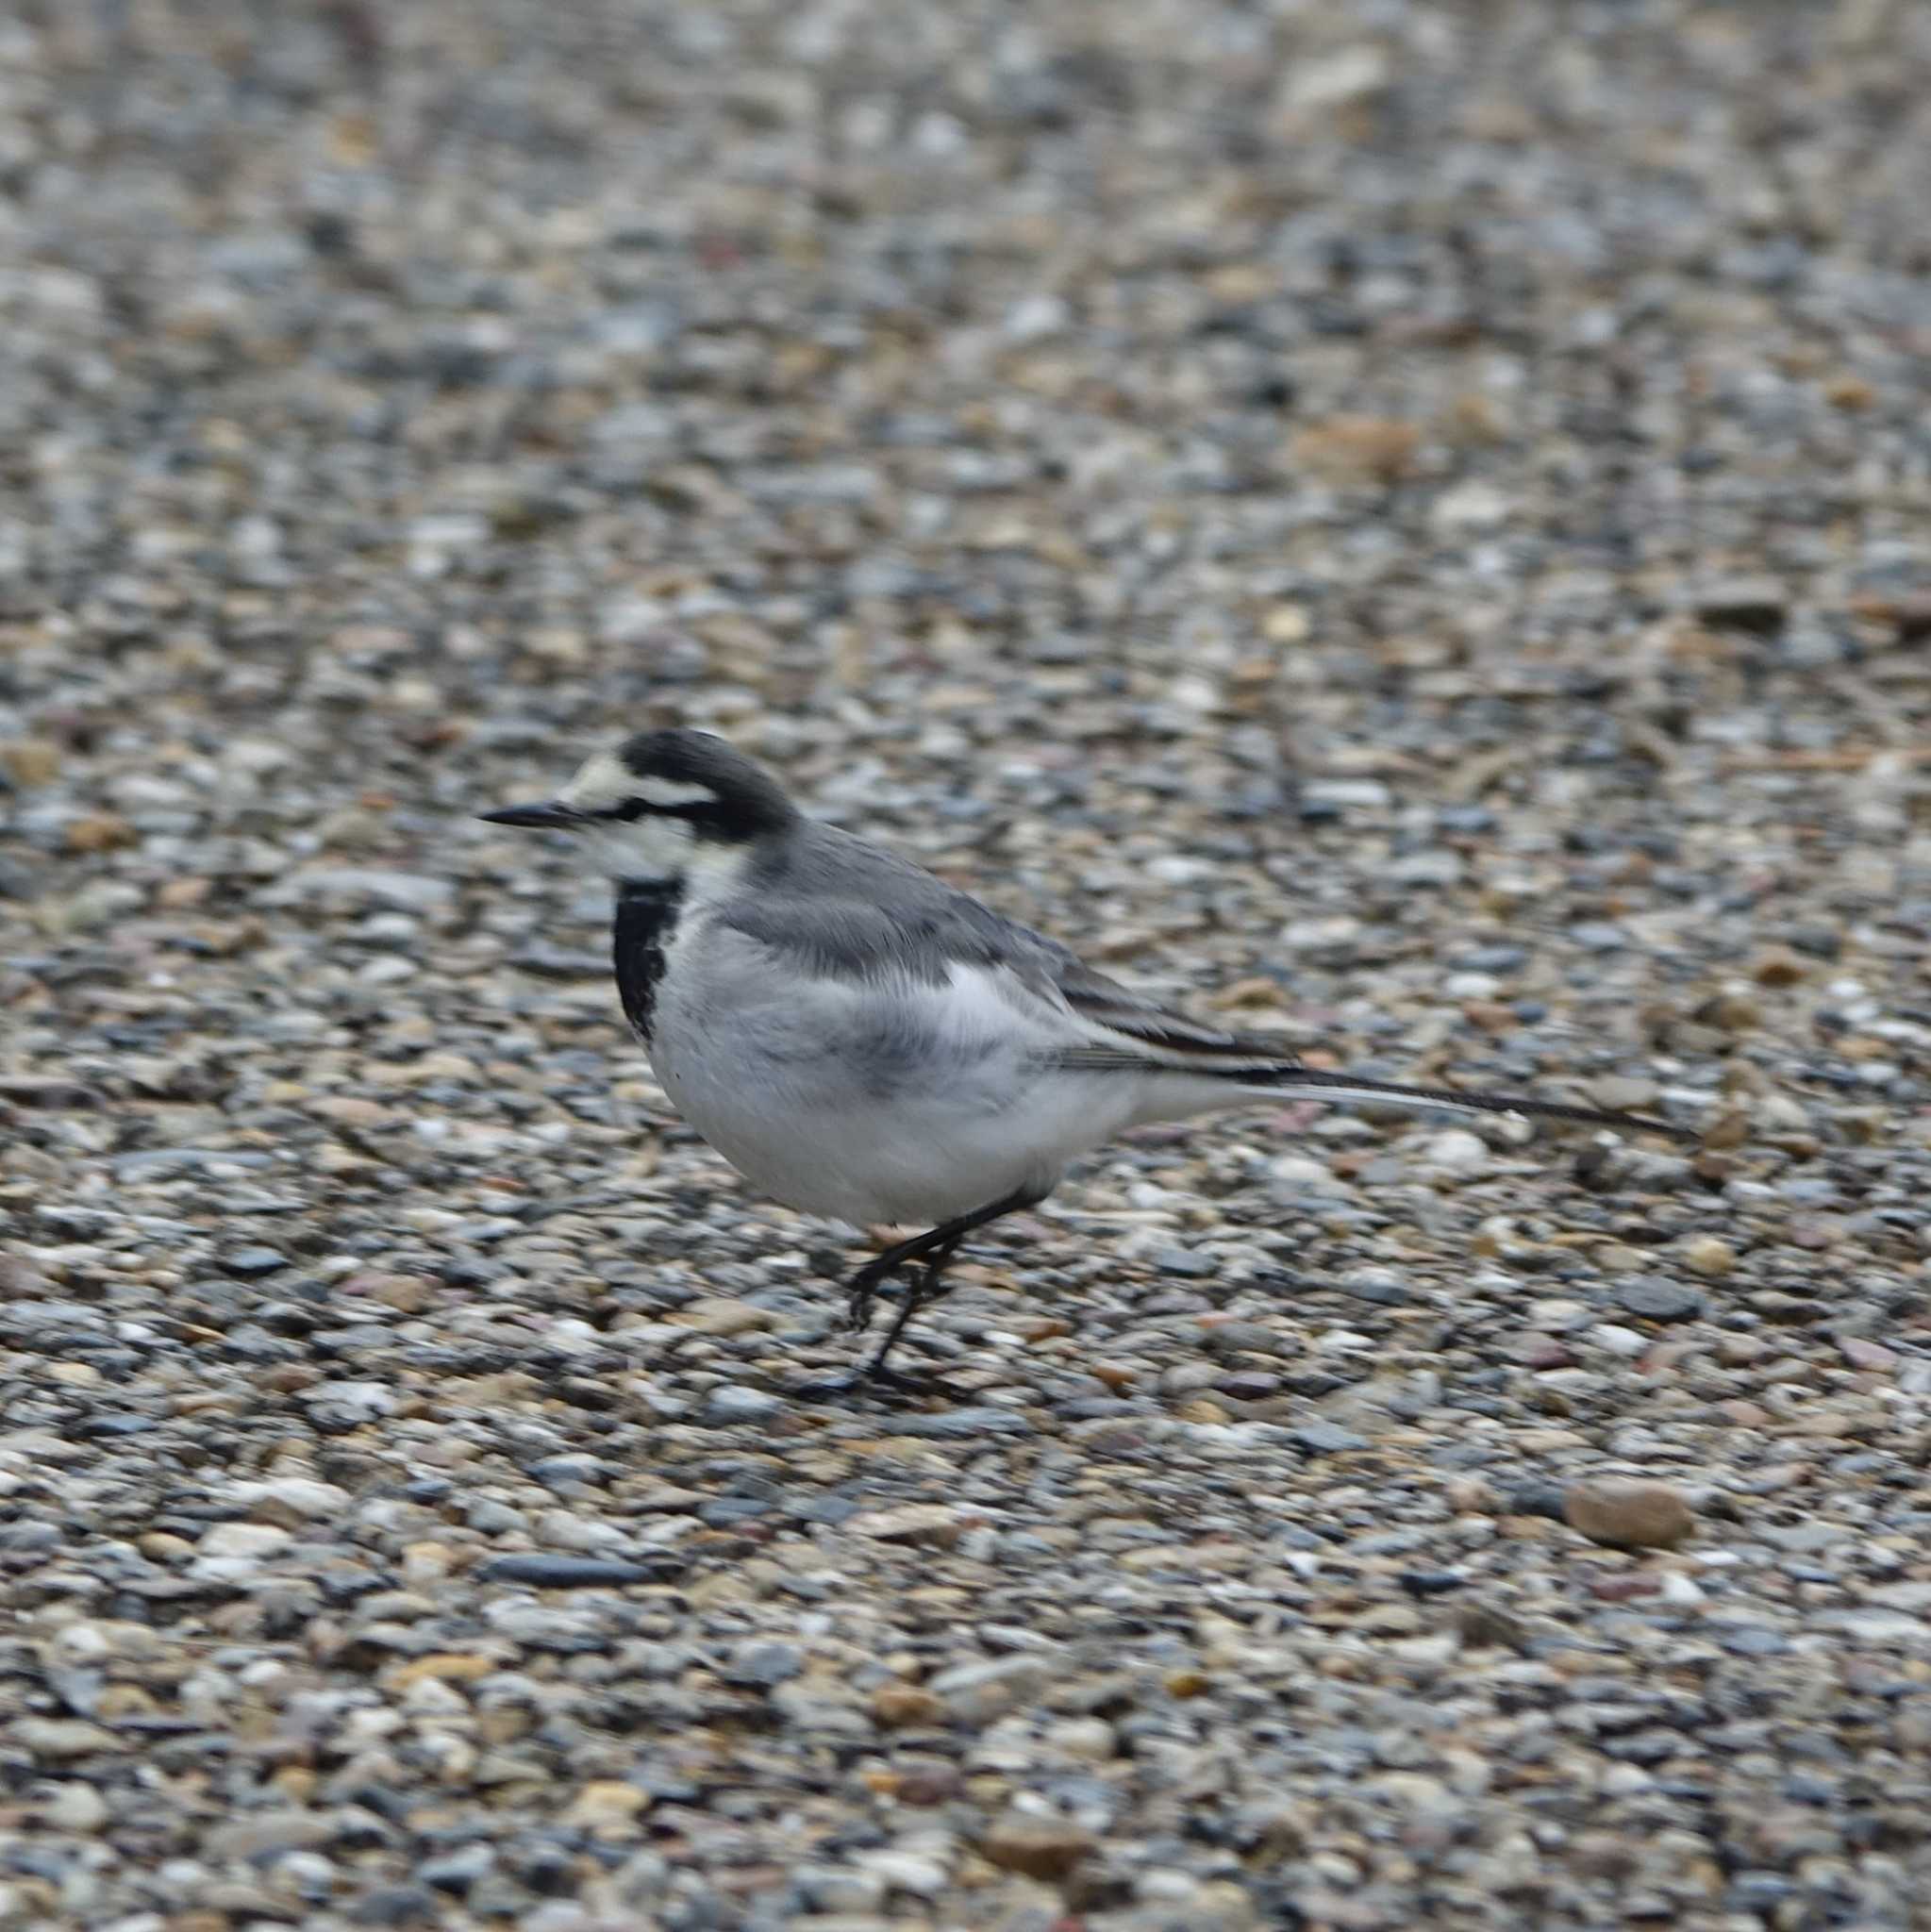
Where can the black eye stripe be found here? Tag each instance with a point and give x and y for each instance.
(695, 810)
(634, 809)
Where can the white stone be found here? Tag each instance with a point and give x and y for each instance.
(251, 1539)
(1457, 1151)
(1618, 1339)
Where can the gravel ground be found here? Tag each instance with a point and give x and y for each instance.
(1406, 524)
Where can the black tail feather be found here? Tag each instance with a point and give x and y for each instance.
(1314, 1081)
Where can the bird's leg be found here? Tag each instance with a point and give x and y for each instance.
(928, 1288)
(933, 1249)
(935, 1244)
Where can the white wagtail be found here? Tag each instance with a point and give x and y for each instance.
(866, 1043)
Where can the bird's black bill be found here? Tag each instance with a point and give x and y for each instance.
(547, 815)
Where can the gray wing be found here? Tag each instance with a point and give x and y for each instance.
(840, 908)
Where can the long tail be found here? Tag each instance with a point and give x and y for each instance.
(1318, 1084)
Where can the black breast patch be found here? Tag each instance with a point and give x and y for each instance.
(646, 916)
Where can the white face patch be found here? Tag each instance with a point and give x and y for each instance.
(644, 848)
(667, 792)
(600, 783)
(650, 847)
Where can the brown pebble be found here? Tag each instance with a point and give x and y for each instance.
(1202, 1409)
(1814, 1234)
(1037, 1329)
(1868, 1355)
(1489, 1627)
(1357, 449)
(101, 831)
(352, 1111)
(1708, 1257)
(1469, 1495)
(408, 1294)
(1043, 1848)
(900, 1707)
(928, 1784)
(1628, 1515)
(1621, 1588)
(442, 1667)
(30, 760)
(1544, 1352)
(1490, 1017)
(1777, 966)
(1735, 1012)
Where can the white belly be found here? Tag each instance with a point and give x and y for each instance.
(885, 1100)
(909, 1159)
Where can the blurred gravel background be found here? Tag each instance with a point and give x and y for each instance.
(1406, 523)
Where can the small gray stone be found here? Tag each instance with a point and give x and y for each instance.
(457, 1871)
(395, 1904)
(251, 1262)
(1327, 1439)
(963, 1424)
(1246, 1338)
(1186, 1262)
(1376, 1285)
(556, 1572)
(977, 1693)
(1657, 1300)
(763, 1665)
(729, 1405)
(1752, 1640)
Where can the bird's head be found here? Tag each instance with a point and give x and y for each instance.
(665, 805)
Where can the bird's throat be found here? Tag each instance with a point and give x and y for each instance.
(646, 917)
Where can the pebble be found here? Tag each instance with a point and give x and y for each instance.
(1327, 1439)
(1708, 1257)
(912, 1523)
(1627, 1343)
(605, 1802)
(1755, 603)
(395, 1904)
(547, 1571)
(1457, 1151)
(1628, 1515)
(722, 1316)
(1656, 1300)
(901, 1706)
(978, 1692)
(254, 1261)
(728, 1406)
(76, 1808)
(251, 1542)
(1043, 1848)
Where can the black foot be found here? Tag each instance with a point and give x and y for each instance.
(859, 1303)
(861, 1298)
(878, 1380)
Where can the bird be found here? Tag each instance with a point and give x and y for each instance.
(867, 1044)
